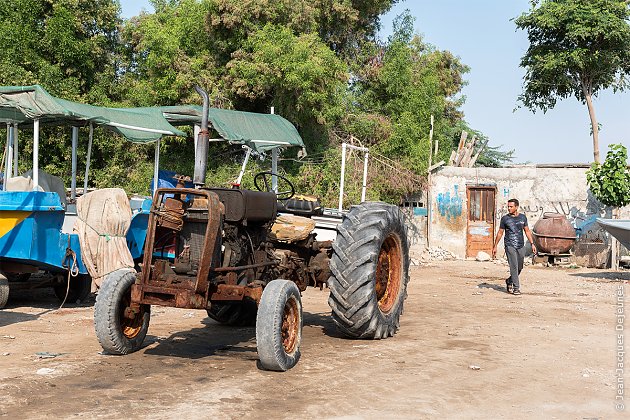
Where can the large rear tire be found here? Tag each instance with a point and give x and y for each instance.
(4, 291)
(116, 331)
(80, 287)
(279, 326)
(369, 271)
(237, 314)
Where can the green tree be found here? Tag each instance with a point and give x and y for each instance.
(610, 182)
(65, 45)
(406, 82)
(298, 74)
(577, 48)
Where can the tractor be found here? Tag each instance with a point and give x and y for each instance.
(230, 252)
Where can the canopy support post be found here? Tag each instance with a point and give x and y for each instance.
(36, 155)
(15, 150)
(4, 164)
(87, 160)
(240, 175)
(156, 166)
(73, 180)
(8, 169)
(274, 169)
(274, 163)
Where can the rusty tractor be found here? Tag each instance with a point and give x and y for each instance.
(227, 251)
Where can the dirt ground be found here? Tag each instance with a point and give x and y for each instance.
(549, 353)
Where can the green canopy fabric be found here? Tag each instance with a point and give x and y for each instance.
(24, 104)
(261, 132)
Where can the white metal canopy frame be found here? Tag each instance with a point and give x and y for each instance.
(342, 179)
(12, 153)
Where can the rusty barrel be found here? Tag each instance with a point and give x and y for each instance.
(553, 234)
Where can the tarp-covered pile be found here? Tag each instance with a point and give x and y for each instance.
(104, 217)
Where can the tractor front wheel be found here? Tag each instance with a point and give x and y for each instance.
(279, 326)
(119, 329)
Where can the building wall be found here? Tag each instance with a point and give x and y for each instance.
(415, 209)
(538, 189)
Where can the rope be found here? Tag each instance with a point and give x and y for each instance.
(73, 270)
(174, 217)
(107, 236)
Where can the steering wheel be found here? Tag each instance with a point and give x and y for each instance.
(265, 177)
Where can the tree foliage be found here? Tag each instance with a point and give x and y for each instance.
(318, 63)
(610, 182)
(577, 48)
(65, 45)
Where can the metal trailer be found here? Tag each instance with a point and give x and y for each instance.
(36, 226)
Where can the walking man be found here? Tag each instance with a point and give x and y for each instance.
(514, 224)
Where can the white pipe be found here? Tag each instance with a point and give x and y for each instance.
(274, 169)
(274, 164)
(35, 155)
(240, 175)
(270, 142)
(6, 147)
(343, 174)
(156, 166)
(146, 130)
(87, 160)
(73, 180)
(365, 172)
(9, 167)
(15, 150)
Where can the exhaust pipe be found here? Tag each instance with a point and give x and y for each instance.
(201, 154)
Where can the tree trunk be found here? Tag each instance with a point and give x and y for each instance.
(591, 112)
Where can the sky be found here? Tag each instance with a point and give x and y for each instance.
(482, 35)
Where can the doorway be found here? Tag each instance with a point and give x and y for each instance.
(481, 220)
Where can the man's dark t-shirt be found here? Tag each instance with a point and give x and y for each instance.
(513, 226)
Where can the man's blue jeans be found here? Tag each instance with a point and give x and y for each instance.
(515, 257)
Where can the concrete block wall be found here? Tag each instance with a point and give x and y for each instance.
(538, 189)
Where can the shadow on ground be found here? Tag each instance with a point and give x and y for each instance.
(215, 339)
(496, 287)
(605, 275)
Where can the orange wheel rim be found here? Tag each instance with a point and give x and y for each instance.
(130, 327)
(388, 273)
(290, 326)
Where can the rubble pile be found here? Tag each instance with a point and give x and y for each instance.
(432, 254)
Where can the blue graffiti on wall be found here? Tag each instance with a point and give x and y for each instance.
(450, 206)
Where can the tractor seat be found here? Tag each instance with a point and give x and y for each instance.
(291, 228)
(303, 205)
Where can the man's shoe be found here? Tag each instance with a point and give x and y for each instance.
(508, 286)
(516, 292)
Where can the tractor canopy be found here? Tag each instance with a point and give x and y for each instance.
(261, 132)
(24, 104)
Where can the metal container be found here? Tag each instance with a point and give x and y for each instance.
(553, 234)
